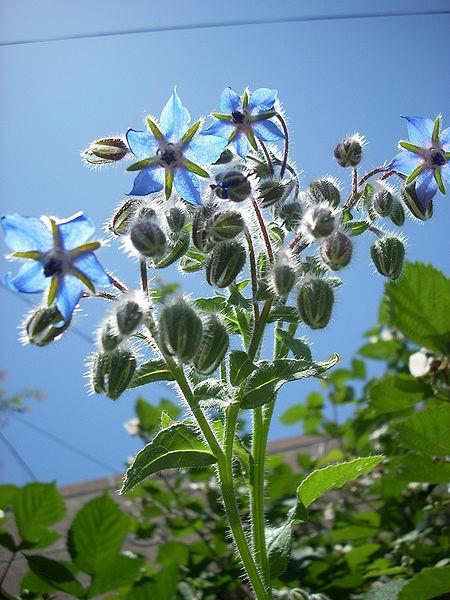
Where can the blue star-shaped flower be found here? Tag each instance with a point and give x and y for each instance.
(58, 258)
(244, 119)
(169, 152)
(425, 157)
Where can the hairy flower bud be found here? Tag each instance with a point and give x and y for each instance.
(388, 253)
(283, 278)
(111, 373)
(348, 153)
(44, 325)
(325, 190)
(180, 330)
(319, 221)
(129, 315)
(414, 204)
(226, 157)
(315, 301)
(224, 263)
(148, 238)
(262, 265)
(397, 215)
(272, 191)
(232, 185)
(336, 251)
(225, 225)
(176, 218)
(123, 217)
(199, 232)
(383, 202)
(264, 290)
(290, 213)
(213, 346)
(110, 337)
(105, 151)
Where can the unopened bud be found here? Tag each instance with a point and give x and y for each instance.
(105, 151)
(319, 597)
(129, 315)
(388, 253)
(315, 301)
(319, 221)
(199, 232)
(224, 263)
(213, 346)
(262, 265)
(176, 218)
(397, 215)
(123, 217)
(325, 190)
(413, 202)
(180, 330)
(233, 185)
(109, 335)
(148, 238)
(348, 153)
(336, 251)
(121, 367)
(263, 290)
(283, 278)
(225, 225)
(272, 191)
(383, 201)
(98, 372)
(298, 594)
(44, 325)
(290, 213)
(226, 157)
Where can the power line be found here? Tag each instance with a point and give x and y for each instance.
(17, 456)
(236, 23)
(65, 444)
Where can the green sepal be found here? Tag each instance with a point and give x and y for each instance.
(89, 247)
(190, 166)
(221, 116)
(187, 137)
(266, 115)
(168, 183)
(232, 135)
(32, 254)
(436, 129)
(410, 147)
(447, 155)
(178, 250)
(52, 290)
(251, 139)
(417, 171)
(440, 183)
(155, 129)
(82, 277)
(142, 164)
(245, 98)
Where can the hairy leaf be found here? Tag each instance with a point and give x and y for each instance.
(152, 370)
(426, 431)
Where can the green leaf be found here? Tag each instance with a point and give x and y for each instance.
(421, 468)
(208, 389)
(122, 571)
(36, 506)
(334, 476)
(150, 371)
(299, 347)
(163, 585)
(279, 546)
(429, 583)
(150, 415)
(357, 227)
(388, 591)
(168, 183)
(97, 534)
(240, 367)
(419, 306)
(381, 350)
(57, 574)
(426, 431)
(215, 304)
(262, 385)
(294, 414)
(393, 393)
(177, 447)
(178, 249)
(8, 492)
(194, 168)
(284, 313)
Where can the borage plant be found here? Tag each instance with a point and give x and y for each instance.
(225, 200)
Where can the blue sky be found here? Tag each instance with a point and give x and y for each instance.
(333, 76)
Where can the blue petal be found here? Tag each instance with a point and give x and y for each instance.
(426, 187)
(241, 144)
(444, 139)
(142, 143)
(68, 295)
(187, 185)
(420, 130)
(262, 100)
(30, 278)
(26, 233)
(229, 101)
(267, 131)
(174, 119)
(148, 181)
(91, 267)
(220, 129)
(75, 231)
(445, 172)
(205, 149)
(405, 162)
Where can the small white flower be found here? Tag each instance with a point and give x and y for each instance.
(419, 364)
(132, 426)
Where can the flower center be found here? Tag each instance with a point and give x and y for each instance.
(437, 158)
(241, 119)
(55, 264)
(169, 155)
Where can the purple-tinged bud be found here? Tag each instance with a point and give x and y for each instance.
(414, 204)
(291, 214)
(176, 218)
(232, 185)
(336, 251)
(283, 278)
(325, 190)
(388, 254)
(148, 238)
(110, 336)
(319, 221)
(130, 314)
(213, 346)
(348, 153)
(180, 330)
(44, 325)
(225, 225)
(383, 201)
(315, 300)
(397, 215)
(224, 263)
(105, 151)
(124, 216)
